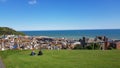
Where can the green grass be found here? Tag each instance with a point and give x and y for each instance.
(62, 59)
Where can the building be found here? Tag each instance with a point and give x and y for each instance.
(118, 45)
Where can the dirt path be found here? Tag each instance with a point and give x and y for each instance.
(1, 64)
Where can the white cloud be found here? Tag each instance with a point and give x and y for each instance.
(32, 2)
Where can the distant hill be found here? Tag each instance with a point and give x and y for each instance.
(9, 31)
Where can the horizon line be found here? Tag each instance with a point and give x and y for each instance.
(69, 29)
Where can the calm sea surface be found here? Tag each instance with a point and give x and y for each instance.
(76, 34)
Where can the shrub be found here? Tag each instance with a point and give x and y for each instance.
(78, 46)
(94, 46)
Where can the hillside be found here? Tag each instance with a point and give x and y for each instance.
(9, 31)
(61, 59)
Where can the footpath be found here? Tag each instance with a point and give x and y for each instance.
(1, 64)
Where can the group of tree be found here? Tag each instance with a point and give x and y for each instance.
(9, 31)
(92, 46)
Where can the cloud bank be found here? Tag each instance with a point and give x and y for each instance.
(32, 2)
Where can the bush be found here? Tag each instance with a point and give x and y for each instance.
(78, 46)
(94, 46)
(89, 47)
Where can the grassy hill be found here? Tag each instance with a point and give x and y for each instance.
(62, 59)
(9, 31)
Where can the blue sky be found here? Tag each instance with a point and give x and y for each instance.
(60, 14)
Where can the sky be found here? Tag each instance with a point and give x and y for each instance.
(60, 14)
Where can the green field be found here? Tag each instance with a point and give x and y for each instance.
(62, 59)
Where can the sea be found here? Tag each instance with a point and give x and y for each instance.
(76, 34)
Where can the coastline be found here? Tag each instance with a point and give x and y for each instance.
(47, 42)
(76, 34)
(106, 39)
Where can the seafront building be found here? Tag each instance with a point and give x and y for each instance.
(43, 42)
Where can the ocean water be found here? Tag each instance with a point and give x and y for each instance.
(76, 34)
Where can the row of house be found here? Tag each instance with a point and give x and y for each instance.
(43, 42)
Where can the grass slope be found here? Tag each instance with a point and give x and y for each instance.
(62, 59)
(9, 31)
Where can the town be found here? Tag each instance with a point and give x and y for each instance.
(11, 42)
